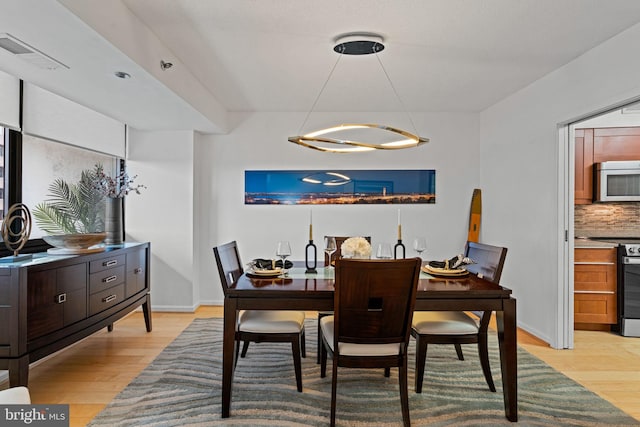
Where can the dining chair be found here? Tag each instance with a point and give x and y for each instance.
(261, 325)
(373, 305)
(458, 327)
(15, 396)
(336, 255)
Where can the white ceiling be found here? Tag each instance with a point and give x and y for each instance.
(275, 55)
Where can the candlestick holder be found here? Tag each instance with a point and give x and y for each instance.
(311, 268)
(397, 246)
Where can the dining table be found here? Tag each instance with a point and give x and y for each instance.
(299, 290)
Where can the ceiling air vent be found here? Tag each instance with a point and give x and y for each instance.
(28, 53)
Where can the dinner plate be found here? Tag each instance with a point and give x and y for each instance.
(442, 272)
(266, 273)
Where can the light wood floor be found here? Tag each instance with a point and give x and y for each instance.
(89, 374)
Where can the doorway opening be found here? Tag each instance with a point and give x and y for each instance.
(581, 218)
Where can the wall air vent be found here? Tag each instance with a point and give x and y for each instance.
(28, 53)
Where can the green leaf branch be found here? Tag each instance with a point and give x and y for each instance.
(72, 208)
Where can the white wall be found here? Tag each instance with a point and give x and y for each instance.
(163, 213)
(260, 142)
(519, 157)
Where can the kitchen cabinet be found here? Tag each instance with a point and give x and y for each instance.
(595, 288)
(50, 302)
(584, 166)
(616, 144)
(601, 145)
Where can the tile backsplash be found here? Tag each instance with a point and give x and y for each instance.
(607, 220)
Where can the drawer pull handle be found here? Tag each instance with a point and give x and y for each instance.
(137, 270)
(109, 298)
(61, 298)
(109, 279)
(110, 263)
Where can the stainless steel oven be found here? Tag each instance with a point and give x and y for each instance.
(629, 289)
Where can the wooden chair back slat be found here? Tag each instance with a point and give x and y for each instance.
(229, 264)
(374, 299)
(489, 260)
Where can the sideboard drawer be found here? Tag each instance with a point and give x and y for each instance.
(102, 300)
(106, 279)
(106, 263)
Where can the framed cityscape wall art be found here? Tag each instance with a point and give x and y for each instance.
(343, 187)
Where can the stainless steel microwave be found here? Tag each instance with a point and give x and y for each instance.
(617, 181)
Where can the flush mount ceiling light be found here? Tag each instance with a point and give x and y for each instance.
(357, 44)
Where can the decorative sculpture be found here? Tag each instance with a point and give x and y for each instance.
(16, 229)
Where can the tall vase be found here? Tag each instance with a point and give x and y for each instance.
(113, 221)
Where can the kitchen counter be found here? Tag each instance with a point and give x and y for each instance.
(587, 243)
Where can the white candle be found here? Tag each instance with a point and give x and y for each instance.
(310, 224)
(399, 227)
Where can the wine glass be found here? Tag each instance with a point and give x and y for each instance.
(283, 251)
(330, 247)
(420, 245)
(384, 251)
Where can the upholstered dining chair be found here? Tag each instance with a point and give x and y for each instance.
(15, 396)
(261, 325)
(373, 305)
(457, 327)
(336, 255)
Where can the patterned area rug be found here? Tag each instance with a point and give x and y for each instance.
(182, 387)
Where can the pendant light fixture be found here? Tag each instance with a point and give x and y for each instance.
(357, 44)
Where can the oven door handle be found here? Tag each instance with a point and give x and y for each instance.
(630, 260)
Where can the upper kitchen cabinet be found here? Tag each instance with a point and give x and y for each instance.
(616, 144)
(601, 145)
(584, 166)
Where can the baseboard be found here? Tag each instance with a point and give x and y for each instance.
(212, 302)
(539, 335)
(176, 308)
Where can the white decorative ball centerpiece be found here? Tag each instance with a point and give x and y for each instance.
(356, 247)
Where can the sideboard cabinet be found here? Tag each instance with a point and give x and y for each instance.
(52, 301)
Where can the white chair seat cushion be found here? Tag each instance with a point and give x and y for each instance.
(443, 323)
(351, 349)
(270, 321)
(15, 396)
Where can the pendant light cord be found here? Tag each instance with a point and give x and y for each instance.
(386, 74)
(320, 93)
(404, 108)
